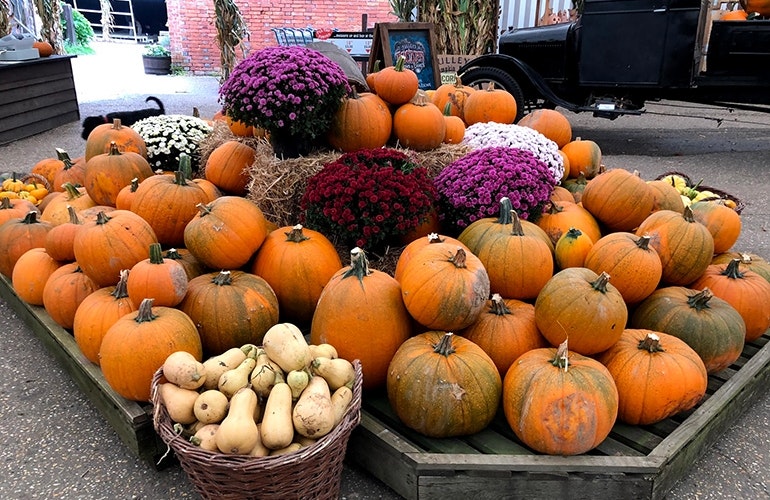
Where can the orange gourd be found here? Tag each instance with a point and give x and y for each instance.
(359, 299)
(571, 248)
(657, 376)
(228, 166)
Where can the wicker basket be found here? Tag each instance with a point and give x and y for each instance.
(312, 472)
(739, 206)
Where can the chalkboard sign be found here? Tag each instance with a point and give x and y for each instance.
(414, 41)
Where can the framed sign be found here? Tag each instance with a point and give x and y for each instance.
(414, 41)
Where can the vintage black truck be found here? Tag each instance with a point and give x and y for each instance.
(619, 54)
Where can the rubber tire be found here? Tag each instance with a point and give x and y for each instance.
(475, 77)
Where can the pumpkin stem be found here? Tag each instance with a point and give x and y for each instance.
(688, 215)
(145, 311)
(114, 149)
(561, 359)
(555, 208)
(444, 346)
(223, 278)
(184, 172)
(573, 233)
(173, 254)
(399, 66)
(359, 265)
(203, 209)
(134, 184)
(116, 124)
(644, 242)
(651, 343)
(733, 270)
(30, 218)
(71, 190)
(516, 229)
(156, 255)
(102, 218)
(458, 259)
(600, 284)
(506, 207)
(700, 300)
(64, 157)
(5, 203)
(121, 289)
(296, 235)
(498, 306)
(74, 219)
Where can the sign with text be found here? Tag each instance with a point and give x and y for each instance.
(355, 43)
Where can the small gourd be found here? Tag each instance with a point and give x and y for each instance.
(206, 437)
(211, 406)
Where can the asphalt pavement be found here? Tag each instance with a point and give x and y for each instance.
(55, 444)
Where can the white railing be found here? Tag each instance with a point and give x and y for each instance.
(526, 13)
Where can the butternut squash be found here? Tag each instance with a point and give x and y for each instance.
(297, 380)
(288, 449)
(206, 437)
(238, 433)
(259, 450)
(183, 369)
(285, 344)
(233, 380)
(178, 402)
(264, 375)
(341, 399)
(337, 372)
(211, 406)
(277, 430)
(215, 366)
(313, 414)
(323, 350)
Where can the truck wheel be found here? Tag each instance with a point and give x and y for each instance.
(481, 77)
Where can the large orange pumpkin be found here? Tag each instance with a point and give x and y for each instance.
(227, 167)
(584, 156)
(57, 210)
(490, 105)
(112, 242)
(64, 291)
(415, 245)
(746, 291)
(226, 233)
(363, 121)
(723, 223)
(419, 124)
(684, 245)
(551, 123)
(297, 263)
(358, 299)
(127, 139)
(505, 331)
(163, 280)
(137, 344)
(97, 313)
(19, 235)
(106, 174)
(443, 385)
(560, 216)
(634, 266)
(708, 324)
(230, 309)
(657, 376)
(619, 199)
(582, 306)
(559, 403)
(665, 196)
(397, 84)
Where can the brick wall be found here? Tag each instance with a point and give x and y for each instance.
(193, 33)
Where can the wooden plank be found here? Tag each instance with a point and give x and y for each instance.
(129, 419)
(40, 110)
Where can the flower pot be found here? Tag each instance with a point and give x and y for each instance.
(157, 65)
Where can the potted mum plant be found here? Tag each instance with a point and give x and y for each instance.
(156, 59)
(292, 92)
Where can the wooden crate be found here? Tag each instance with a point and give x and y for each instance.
(633, 462)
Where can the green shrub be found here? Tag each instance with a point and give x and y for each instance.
(83, 31)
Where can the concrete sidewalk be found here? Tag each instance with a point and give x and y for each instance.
(56, 445)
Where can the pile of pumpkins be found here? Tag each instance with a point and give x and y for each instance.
(545, 318)
(259, 401)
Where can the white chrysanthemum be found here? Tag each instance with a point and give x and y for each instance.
(491, 134)
(168, 136)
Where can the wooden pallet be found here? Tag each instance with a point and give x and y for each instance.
(633, 462)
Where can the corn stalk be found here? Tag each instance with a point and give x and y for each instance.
(404, 10)
(462, 26)
(5, 18)
(107, 19)
(50, 29)
(231, 32)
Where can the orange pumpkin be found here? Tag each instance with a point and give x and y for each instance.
(423, 381)
(708, 324)
(397, 84)
(97, 313)
(583, 306)
(665, 196)
(106, 174)
(444, 287)
(30, 274)
(559, 403)
(560, 216)
(359, 299)
(723, 223)
(505, 331)
(571, 248)
(619, 199)
(410, 249)
(551, 123)
(127, 139)
(734, 15)
(634, 266)
(228, 166)
(584, 156)
(761, 7)
(419, 124)
(191, 265)
(163, 280)
(749, 262)
(230, 309)
(19, 235)
(57, 211)
(112, 242)
(155, 332)
(64, 291)
(561, 193)
(15, 208)
(490, 105)
(685, 246)
(455, 127)
(44, 48)
(363, 121)
(657, 376)
(226, 233)
(576, 186)
(452, 95)
(60, 240)
(72, 171)
(47, 167)
(126, 195)
(746, 291)
(297, 263)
